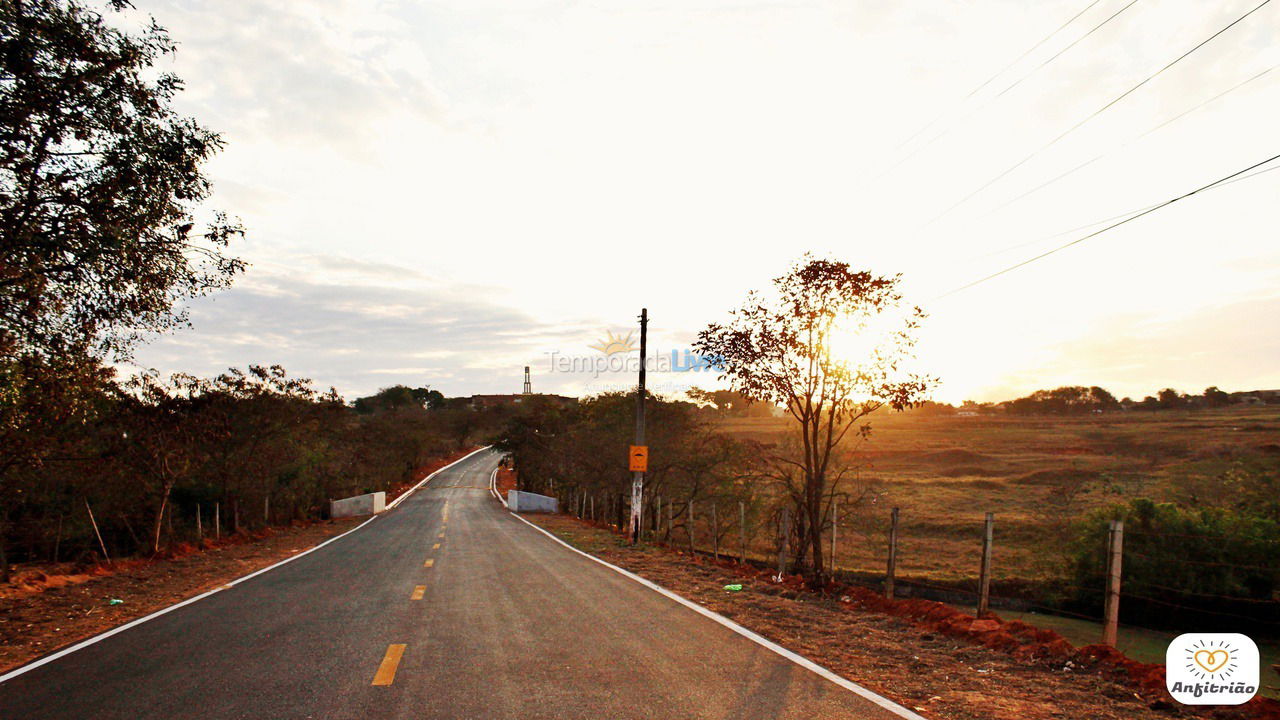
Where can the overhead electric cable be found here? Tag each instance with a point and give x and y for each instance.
(1095, 114)
(1000, 72)
(1127, 143)
(1148, 211)
(972, 112)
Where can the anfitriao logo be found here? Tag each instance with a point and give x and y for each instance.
(1212, 669)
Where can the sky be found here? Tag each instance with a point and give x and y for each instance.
(440, 193)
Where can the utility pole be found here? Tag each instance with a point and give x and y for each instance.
(637, 478)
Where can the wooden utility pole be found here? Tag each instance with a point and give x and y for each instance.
(1115, 554)
(217, 521)
(984, 577)
(893, 554)
(637, 479)
(742, 532)
(199, 524)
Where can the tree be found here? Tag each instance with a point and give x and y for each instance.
(166, 442)
(785, 349)
(728, 403)
(1170, 399)
(100, 180)
(1213, 397)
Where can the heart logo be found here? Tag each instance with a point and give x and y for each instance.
(1211, 660)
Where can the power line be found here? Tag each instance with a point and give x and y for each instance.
(973, 92)
(1056, 55)
(1095, 113)
(1117, 217)
(1164, 124)
(1096, 233)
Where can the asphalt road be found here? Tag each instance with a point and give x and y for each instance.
(509, 624)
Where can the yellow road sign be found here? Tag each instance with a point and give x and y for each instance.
(639, 458)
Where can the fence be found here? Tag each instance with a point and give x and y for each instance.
(724, 529)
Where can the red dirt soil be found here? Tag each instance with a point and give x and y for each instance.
(928, 656)
(506, 480)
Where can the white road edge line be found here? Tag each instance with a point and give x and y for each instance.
(132, 623)
(493, 488)
(800, 660)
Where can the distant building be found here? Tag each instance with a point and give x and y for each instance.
(480, 402)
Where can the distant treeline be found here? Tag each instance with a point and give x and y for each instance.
(577, 452)
(156, 460)
(1077, 399)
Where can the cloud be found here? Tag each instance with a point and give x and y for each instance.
(311, 74)
(359, 336)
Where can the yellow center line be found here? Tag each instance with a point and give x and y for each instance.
(418, 592)
(429, 562)
(440, 536)
(436, 546)
(387, 670)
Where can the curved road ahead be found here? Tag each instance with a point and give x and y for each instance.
(444, 607)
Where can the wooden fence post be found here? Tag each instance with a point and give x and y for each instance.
(893, 554)
(742, 532)
(835, 519)
(784, 532)
(657, 518)
(1115, 554)
(693, 546)
(715, 532)
(984, 576)
(97, 532)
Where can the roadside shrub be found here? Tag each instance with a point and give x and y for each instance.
(1207, 568)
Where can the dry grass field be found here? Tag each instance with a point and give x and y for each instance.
(1037, 474)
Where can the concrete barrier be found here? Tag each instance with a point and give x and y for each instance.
(531, 502)
(370, 504)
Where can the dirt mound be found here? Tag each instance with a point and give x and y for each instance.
(954, 456)
(1058, 476)
(970, 471)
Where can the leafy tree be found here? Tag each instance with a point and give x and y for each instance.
(782, 349)
(100, 185)
(1170, 399)
(1066, 400)
(1213, 397)
(100, 180)
(728, 403)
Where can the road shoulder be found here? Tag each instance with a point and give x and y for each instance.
(924, 670)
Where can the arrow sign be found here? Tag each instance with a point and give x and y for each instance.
(639, 458)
